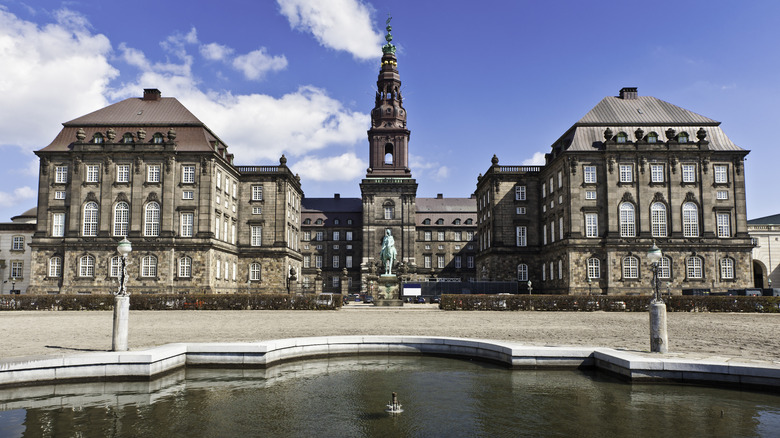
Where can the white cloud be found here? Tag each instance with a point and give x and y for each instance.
(60, 71)
(337, 24)
(536, 160)
(257, 63)
(344, 167)
(215, 51)
(431, 169)
(19, 194)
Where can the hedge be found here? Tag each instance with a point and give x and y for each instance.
(610, 303)
(168, 302)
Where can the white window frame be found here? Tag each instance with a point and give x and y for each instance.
(427, 261)
(626, 173)
(389, 211)
(690, 219)
(519, 193)
(630, 267)
(121, 219)
(594, 268)
(665, 268)
(123, 173)
(658, 220)
(590, 194)
(255, 272)
(522, 272)
(257, 193)
(693, 268)
(153, 173)
(521, 235)
(589, 174)
(256, 235)
(89, 224)
(55, 267)
(727, 268)
(187, 224)
(59, 194)
(688, 173)
(188, 174)
(723, 223)
(627, 220)
(61, 174)
(657, 173)
(152, 219)
(721, 172)
(440, 261)
(93, 173)
(591, 225)
(17, 243)
(722, 195)
(149, 266)
(318, 261)
(188, 194)
(58, 224)
(185, 267)
(86, 266)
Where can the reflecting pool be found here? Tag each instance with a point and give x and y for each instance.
(347, 397)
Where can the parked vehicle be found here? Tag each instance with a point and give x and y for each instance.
(420, 300)
(369, 299)
(436, 300)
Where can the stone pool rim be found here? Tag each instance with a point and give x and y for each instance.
(148, 364)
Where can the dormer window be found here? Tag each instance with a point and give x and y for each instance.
(157, 138)
(652, 137)
(318, 222)
(97, 138)
(440, 221)
(127, 138)
(469, 221)
(426, 222)
(682, 137)
(621, 137)
(457, 222)
(307, 221)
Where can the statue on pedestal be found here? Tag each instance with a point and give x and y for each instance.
(388, 252)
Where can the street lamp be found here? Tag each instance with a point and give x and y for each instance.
(291, 277)
(659, 340)
(530, 288)
(121, 301)
(590, 280)
(13, 286)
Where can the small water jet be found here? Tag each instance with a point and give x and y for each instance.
(394, 407)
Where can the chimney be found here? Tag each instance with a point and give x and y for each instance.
(628, 93)
(152, 94)
(337, 196)
(439, 196)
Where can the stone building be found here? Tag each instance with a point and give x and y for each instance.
(15, 254)
(633, 171)
(765, 232)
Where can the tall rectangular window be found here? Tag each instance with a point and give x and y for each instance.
(724, 224)
(688, 173)
(388, 212)
(519, 193)
(256, 235)
(61, 174)
(17, 269)
(440, 261)
(93, 173)
(458, 262)
(349, 235)
(657, 173)
(626, 173)
(470, 262)
(440, 236)
(187, 220)
(307, 261)
(336, 235)
(187, 174)
(318, 261)
(122, 173)
(153, 173)
(219, 179)
(318, 236)
(427, 259)
(427, 236)
(58, 224)
(560, 179)
(589, 174)
(335, 261)
(521, 236)
(721, 174)
(591, 225)
(348, 261)
(257, 193)
(544, 234)
(18, 243)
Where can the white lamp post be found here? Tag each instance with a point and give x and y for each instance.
(121, 301)
(659, 341)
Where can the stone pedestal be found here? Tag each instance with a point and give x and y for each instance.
(659, 341)
(121, 317)
(388, 291)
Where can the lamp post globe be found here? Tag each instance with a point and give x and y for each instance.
(124, 248)
(654, 256)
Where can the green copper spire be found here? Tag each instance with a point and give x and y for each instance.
(389, 47)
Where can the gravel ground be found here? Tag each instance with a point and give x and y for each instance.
(746, 336)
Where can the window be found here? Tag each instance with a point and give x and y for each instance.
(544, 190)
(560, 227)
(560, 269)
(122, 173)
(61, 174)
(722, 194)
(689, 173)
(348, 261)
(187, 222)
(589, 174)
(17, 269)
(658, 219)
(456, 236)
(185, 267)
(594, 268)
(552, 231)
(693, 268)
(187, 194)
(93, 173)
(427, 259)
(626, 173)
(522, 272)
(121, 218)
(256, 235)
(560, 179)
(469, 236)
(58, 224)
(188, 174)
(621, 137)
(544, 234)
(630, 267)
(724, 224)
(55, 267)
(591, 225)
(336, 235)
(552, 188)
(721, 174)
(657, 173)
(590, 194)
(217, 270)
(153, 173)
(389, 212)
(440, 236)
(59, 194)
(652, 137)
(319, 236)
(318, 261)
(349, 235)
(149, 266)
(257, 193)
(521, 210)
(17, 243)
(217, 227)
(152, 219)
(335, 261)
(690, 220)
(727, 269)
(127, 138)
(470, 262)
(227, 270)
(682, 137)
(519, 193)
(115, 266)
(157, 138)
(97, 138)
(440, 261)
(627, 223)
(254, 272)
(665, 267)
(335, 281)
(427, 236)
(521, 236)
(86, 266)
(544, 272)
(90, 225)
(440, 221)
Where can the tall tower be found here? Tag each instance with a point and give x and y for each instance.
(389, 192)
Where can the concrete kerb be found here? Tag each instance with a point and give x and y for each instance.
(157, 361)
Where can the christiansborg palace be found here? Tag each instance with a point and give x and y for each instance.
(634, 170)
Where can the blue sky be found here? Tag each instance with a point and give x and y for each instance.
(298, 77)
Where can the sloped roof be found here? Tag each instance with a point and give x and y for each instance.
(137, 111)
(642, 110)
(766, 220)
(460, 205)
(340, 205)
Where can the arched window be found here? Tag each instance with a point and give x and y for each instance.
(456, 222)
(621, 137)
(90, 226)
(469, 221)
(307, 221)
(55, 266)
(115, 267)
(727, 268)
(594, 268)
(426, 221)
(127, 138)
(86, 266)
(682, 137)
(185, 267)
(630, 267)
(627, 223)
(389, 209)
(121, 218)
(149, 266)
(157, 138)
(690, 220)
(665, 267)
(97, 138)
(440, 221)
(254, 272)
(389, 153)
(658, 219)
(693, 267)
(652, 137)
(152, 220)
(522, 272)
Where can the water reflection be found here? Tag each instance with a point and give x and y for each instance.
(346, 397)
